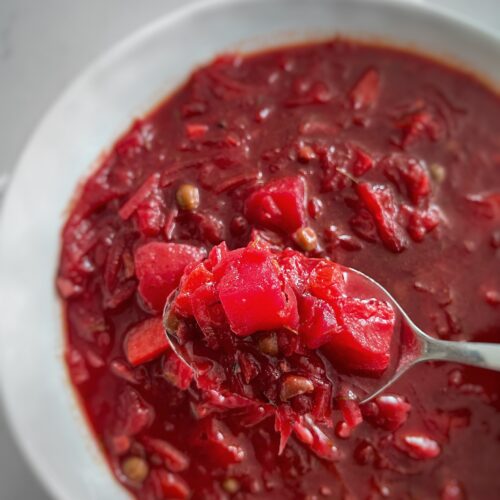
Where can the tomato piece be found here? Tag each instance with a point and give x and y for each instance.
(364, 340)
(145, 341)
(279, 204)
(159, 267)
(254, 296)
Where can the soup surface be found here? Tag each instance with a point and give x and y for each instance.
(375, 158)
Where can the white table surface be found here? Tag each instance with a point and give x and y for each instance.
(43, 46)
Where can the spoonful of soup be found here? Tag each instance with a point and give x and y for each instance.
(292, 332)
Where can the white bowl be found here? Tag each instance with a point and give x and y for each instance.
(41, 405)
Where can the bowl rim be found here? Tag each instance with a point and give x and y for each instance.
(89, 72)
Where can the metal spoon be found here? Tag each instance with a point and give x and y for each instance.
(414, 345)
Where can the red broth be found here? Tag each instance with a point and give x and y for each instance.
(401, 162)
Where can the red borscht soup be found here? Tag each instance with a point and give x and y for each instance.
(374, 158)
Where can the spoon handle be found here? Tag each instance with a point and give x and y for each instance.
(482, 354)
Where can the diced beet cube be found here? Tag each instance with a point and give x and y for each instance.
(279, 204)
(364, 341)
(159, 267)
(207, 310)
(190, 282)
(317, 321)
(145, 341)
(254, 296)
(296, 269)
(366, 91)
(229, 259)
(380, 203)
(326, 281)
